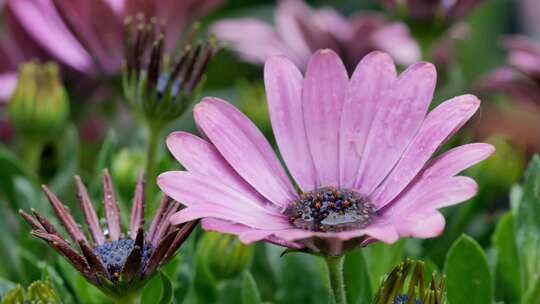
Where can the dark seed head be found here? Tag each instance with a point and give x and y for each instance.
(114, 254)
(331, 210)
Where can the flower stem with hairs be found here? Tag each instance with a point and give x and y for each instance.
(335, 273)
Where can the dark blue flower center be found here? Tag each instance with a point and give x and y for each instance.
(115, 253)
(403, 299)
(331, 210)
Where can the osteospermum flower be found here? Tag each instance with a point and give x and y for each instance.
(300, 30)
(118, 263)
(358, 149)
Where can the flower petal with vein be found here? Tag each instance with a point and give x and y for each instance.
(358, 155)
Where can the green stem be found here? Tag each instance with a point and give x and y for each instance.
(150, 169)
(132, 298)
(335, 273)
(32, 155)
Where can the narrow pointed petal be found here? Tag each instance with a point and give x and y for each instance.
(35, 224)
(323, 96)
(396, 122)
(181, 236)
(93, 260)
(156, 258)
(137, 210)
(44, 222)
(112, 213)
(63, 248)
(234, 134)
(89, 212)
(165, 224)
(199, 156)
(283, 83)
(373, 76)
(132, 267)
(439, 125)
(158, 217)
(64, 216)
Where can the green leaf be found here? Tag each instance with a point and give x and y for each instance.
(528, 222)
(205, 285)
(467, 270)
(167, 289)
(507, 272)
(381, 259)
(67, 161)
(250, 291)
(532, 295)
(356, 274)
(104, 160)
(11, 168)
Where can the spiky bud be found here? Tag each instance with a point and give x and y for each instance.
(157, 86)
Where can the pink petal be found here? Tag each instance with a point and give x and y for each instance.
(399, 117)
(8, 83)
(422, 225)
(193, 189)
(199, 156)
(287, 14)
(283, 83)
(41, 20)
(245, 149)
(439, 125)
(323, 96)
(373, 76)
(253, 40)
(396, 40)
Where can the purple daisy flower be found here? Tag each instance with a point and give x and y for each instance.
(300, 30)
(358, 151)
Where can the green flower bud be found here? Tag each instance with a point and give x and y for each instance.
(158, 87)
(224, 254)
(39, 106)
(127, 165)
(39, 292)
(406, 285)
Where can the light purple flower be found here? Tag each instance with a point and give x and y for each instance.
(369, 139)
(300, 30)
(520, 78)
(86, 35)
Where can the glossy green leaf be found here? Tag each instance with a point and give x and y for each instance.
(167, 289)
(250, 291)
(528, 222)
(532, 295)
(357, 280)
(205, 285)
(507, 272)
(467, 271)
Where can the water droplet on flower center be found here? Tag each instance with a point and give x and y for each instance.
(330, 209)
(114, 254)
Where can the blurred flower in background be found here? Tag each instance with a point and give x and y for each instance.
(428, 11)
(118, 263)
(87, 36)
(300, 30)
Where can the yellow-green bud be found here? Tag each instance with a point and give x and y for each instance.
(39, 292)
(224, 254)
(127, 165)
(39, 106)
(14, 296)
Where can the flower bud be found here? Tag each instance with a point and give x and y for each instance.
(39, 106)
(40, 292)
(225, 255)
(406, 284)
(127, 165)
(158, 87)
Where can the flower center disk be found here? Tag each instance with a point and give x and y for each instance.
(115, 253)
(331, 209)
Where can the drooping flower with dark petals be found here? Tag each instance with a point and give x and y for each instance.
(301, 30)
(358, 149)
(118, 264)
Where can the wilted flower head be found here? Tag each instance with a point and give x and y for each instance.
(117, 263)
(160, 88)
(86, 35)
(358, 149)
(39, 107)
(300, 30)
(442, 11)
(406, 285)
